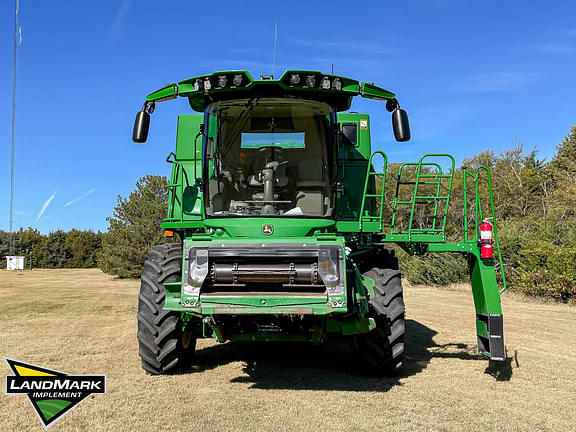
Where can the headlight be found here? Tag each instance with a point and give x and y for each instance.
(237, 81)
(207, 84)
(294, 79)
(311, 81)
(337, 84)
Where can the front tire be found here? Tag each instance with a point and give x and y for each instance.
(380, 351)
(163, 347)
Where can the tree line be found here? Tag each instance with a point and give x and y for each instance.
(535, 206)
(58, 249)
(134, 228)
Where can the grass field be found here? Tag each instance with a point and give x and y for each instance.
(84, 322)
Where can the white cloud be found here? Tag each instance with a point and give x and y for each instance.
(44, 207)
(498, 81)
(121, 15)
(80, 197)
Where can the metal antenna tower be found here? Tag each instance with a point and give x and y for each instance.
(16, 41)
(274, 52)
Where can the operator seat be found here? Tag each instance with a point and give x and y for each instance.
(311, 184)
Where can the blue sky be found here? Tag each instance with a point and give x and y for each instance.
(472, 76)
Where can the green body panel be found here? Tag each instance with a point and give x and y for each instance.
(351, 325)
(167, 92)
(185, 198)
(288, 228)
(374, 92)
(355, 226)
(352, 164)
(362, 150)
(188, 128)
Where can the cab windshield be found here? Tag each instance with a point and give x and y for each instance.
(268, 157)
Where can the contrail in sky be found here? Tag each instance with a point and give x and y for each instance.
(81, 197)
(121, 15)
(44, 207)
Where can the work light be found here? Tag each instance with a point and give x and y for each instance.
(311, 81)
(222, 80)
(237, 80)
(198, 85)
(337, 84)
(207, 84)
(294, 79)
(325, 83)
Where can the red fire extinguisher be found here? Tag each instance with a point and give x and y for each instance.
(486, 239)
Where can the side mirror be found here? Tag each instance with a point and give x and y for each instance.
(141, 127)
(401, 125)
(142, 122)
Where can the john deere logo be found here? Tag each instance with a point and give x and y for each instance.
(51, 393)
(267, 229)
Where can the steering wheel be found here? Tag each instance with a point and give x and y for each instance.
(275, 154)
(270, 148)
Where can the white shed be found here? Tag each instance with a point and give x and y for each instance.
(15, 262)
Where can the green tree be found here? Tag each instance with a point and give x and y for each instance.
(56, 252)
(134, 228)
(34, 244)
(83, 246)
(563, 164)
(518, 181)
(6, 239)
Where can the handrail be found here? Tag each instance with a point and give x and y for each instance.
(438, 176)
(175, 183)
(479, 215)
(374, 173)
(173, 186)
(399, 182)
(171, 155)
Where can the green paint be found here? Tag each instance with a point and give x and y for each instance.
(355, 223)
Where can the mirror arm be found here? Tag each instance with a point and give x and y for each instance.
(149, 106)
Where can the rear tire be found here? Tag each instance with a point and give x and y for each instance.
(163, 347)
(380, 351)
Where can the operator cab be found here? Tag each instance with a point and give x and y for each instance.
(269, 157)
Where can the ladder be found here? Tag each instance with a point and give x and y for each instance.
(428, 173)
(365, 216)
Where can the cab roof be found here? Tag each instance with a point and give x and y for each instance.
(336, 90)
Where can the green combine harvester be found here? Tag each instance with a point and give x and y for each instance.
(279, 206)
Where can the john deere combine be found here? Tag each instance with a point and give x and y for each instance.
(279, 206)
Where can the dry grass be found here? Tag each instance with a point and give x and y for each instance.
(82, 321)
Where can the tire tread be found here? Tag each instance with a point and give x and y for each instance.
(380, 351)
(159, 330)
